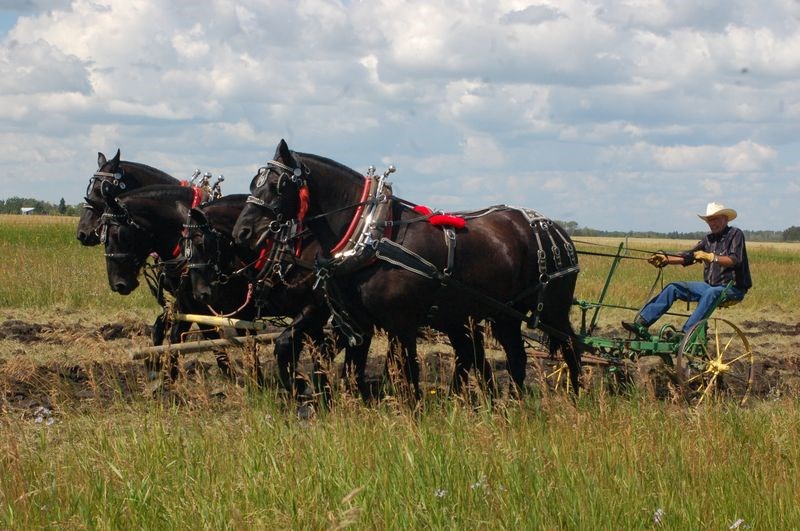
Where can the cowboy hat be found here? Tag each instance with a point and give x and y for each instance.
(718, 209)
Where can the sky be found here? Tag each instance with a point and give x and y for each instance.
(618, 115)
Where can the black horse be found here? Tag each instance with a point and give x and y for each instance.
(269, 282)
(509, 265)
(122, 176)
(149, 221)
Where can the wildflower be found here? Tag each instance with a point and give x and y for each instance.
(43, 415)
(739, 524)
(440, 493)
(658, 516)
(480, 484)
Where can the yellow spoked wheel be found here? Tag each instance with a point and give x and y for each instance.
(715, 360)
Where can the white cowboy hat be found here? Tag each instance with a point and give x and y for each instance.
(718, 209)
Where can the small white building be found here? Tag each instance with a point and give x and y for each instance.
(26, 210)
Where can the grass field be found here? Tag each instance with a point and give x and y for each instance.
(210, 454)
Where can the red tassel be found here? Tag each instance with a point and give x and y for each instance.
(448, 221)
(301, 213)
(422, 209)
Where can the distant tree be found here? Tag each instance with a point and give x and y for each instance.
(792, 234)
(62, 207)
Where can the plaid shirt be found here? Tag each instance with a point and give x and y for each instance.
(730, 243)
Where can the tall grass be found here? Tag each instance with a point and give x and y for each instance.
(246, 460)
(604, 463)
(44, 266)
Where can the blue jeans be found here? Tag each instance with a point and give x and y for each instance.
(704, 294)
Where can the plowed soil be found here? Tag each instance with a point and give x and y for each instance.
(46, 364)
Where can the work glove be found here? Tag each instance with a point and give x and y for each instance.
(658, 260)
(702, 256)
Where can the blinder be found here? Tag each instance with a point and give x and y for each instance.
(114, 179)
(286, 176)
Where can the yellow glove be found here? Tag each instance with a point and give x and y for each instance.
(702, 256)
(658, 260)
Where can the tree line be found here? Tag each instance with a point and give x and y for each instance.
(792, 234)
(13, 205)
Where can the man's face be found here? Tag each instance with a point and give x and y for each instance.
(717, 223)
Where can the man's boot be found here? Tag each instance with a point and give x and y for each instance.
(638, 327)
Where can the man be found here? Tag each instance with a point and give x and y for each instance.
(724, 257)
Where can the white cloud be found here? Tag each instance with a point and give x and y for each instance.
(560, 106)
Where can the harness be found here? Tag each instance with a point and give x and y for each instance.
(367, 241)
(368, 238)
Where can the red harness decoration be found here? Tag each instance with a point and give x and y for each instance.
(343, 242)
(198, 196)
(196, 200)
(443, 220)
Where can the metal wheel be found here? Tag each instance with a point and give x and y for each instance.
(715, 360)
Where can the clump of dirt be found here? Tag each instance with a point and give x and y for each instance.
(760, 328)
(125, 330)
(23, 332)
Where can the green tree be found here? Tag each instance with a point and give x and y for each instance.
(62, 207)
(792, 234)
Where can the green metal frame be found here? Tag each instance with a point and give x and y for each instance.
(664, 344)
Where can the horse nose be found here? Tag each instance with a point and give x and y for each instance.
(120, 287)
(81, 236)
(203, 294)
(123, 288)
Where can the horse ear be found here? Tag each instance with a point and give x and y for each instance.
(282, 152)
(101, 160)
(115, 162)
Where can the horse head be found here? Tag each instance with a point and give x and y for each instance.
(140, 222)
(274, 197)
(125, 246)
(112, 178)
(89, 222)
(203, 248)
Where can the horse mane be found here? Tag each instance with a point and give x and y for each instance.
(157, 191)
(330, 163)
(146, 168)
(227, 199)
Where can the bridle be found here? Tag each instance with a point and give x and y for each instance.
(208, 233)
(116, 179)
(286, 175)
(120, 218)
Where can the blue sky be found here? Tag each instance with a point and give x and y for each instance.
(619, 115)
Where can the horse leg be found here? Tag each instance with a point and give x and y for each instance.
(467, 342)
(569, 351)
(555, 322)
(322, 355)
(287, 350)
(403, 352)
(355, 366)
(509, 335)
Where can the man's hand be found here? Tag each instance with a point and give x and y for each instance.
(658, 260)
(702, 256)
